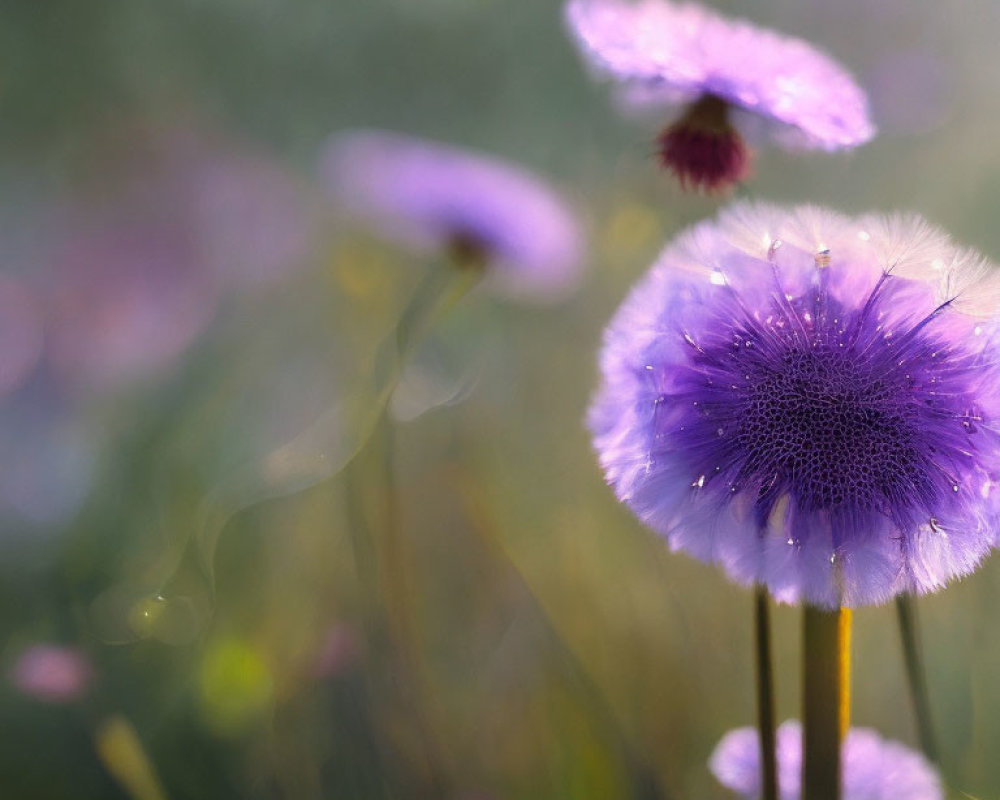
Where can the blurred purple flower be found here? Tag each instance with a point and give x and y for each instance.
(144, 263)
(52, 673)
(252, 219)
(874, 768)
(433, 197)
(689, 55)
(21, 333)
(127, 298)
(810, 401)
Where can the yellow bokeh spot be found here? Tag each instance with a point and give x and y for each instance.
(236, 686)
(631, 228)
(361, 271)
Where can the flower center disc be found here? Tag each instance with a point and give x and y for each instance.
(823, 427)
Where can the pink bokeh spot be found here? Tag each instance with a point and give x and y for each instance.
(52, 673)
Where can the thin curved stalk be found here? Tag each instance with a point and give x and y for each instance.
(916, 675)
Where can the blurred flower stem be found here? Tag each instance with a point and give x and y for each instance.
(384, 565)
(826, 642)
(386, 582)
(644, 780)
(333, 440)
(765, 695)
(916, 674)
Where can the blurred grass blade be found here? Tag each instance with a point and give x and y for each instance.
(916, 675)
(123, 755)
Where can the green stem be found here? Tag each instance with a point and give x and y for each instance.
(916, 675)
(376, 525)
(765, 696)
(822, 707)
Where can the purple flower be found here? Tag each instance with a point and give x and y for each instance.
(874, 768)
(688, 54)
(432, 197)
(126, 299)
(810, 401)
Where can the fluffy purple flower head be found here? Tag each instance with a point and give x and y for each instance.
(688, 54)
(432, 197)
(810, 401)
(874, 768)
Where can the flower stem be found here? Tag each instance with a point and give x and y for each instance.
(916, 675)
(825, 700)
(765, 696)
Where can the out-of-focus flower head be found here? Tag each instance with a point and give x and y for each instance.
(21, 333)
(52, 673)
(252, 219)
(873, 768)
(810, 401)
(688, 55)
(178, 222)
(128, 297)
(433, 197)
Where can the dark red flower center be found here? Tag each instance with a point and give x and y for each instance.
(703, 149)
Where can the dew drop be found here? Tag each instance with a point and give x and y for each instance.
(954, 487)
(790, 542)
(700, 482)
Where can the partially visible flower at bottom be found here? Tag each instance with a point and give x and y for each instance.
(810, 401)
(53, 673)
(478, 209)
(873, 768)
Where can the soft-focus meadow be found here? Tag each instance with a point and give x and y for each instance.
(179, 306)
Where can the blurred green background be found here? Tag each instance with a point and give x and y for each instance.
(223, 634)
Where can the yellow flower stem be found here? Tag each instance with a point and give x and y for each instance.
(826, 637)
